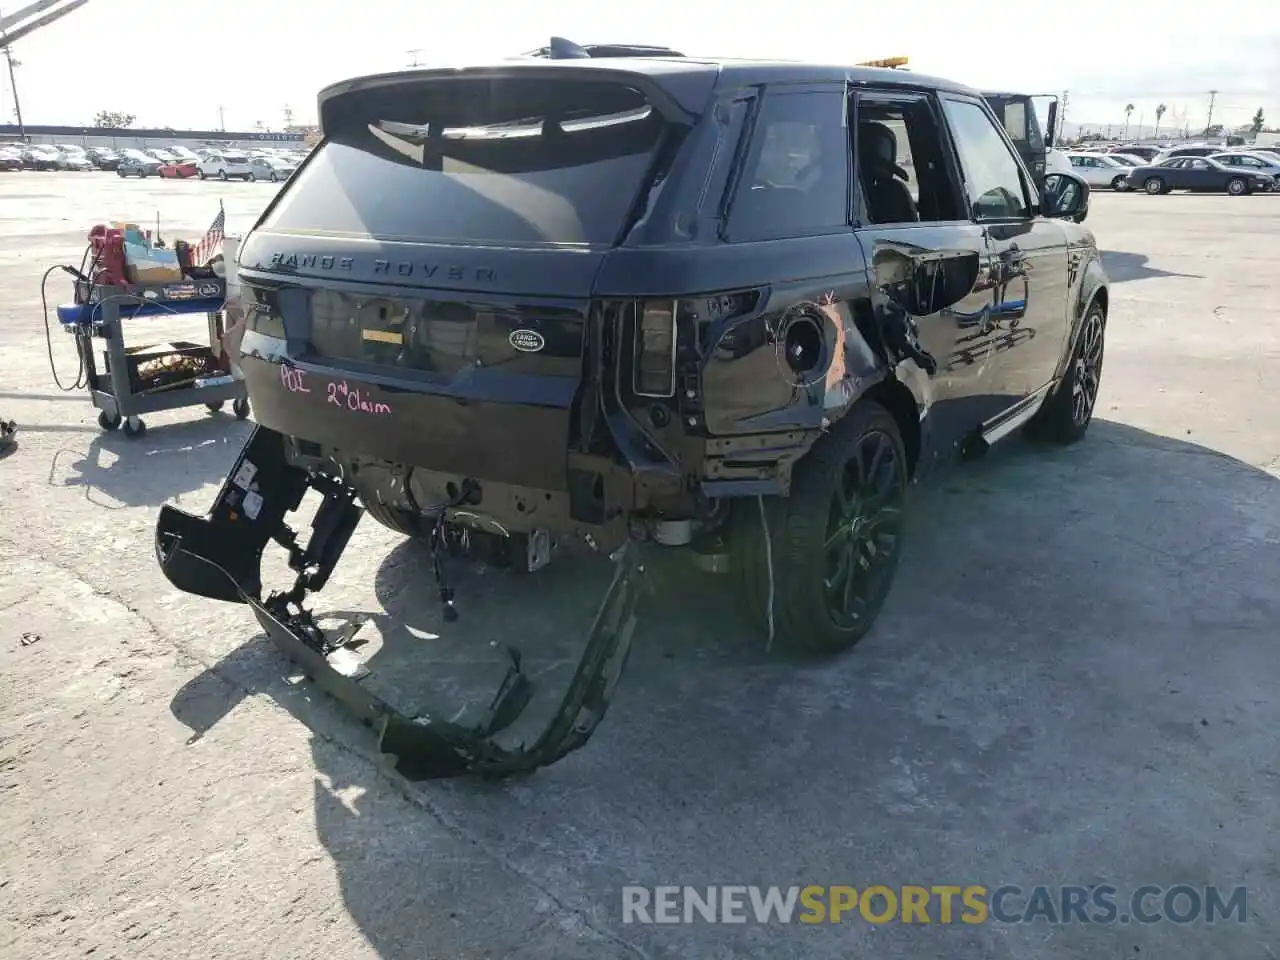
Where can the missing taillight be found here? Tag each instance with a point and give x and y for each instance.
(654, 372)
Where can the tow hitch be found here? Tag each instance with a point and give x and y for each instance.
(220, 556)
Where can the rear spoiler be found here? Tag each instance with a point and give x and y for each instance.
(679, 91)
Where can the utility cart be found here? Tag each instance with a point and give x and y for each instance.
(160, 376)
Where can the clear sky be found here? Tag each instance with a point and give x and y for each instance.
(254, 58)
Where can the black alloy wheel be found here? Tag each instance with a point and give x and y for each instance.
(1087, 374)
(833, 543)
(863, 530)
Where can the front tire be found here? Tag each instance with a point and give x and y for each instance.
(834, 542)
(1154, 186)
(252, 178)
(1067, 413)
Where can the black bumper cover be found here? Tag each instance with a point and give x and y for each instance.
(219, 556)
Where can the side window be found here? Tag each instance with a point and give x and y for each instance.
(1076, 161)
(1015, 120)
(795, 180)
(993, 178)
(1198, 164)
(901, 160)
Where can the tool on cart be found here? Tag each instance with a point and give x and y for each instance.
(126, 275)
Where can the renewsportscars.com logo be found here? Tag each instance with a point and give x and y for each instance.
(972, 904)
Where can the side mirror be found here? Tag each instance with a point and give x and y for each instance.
(1065, 197)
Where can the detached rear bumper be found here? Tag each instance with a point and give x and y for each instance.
(219, 556)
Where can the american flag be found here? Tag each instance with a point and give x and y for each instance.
(210, 244)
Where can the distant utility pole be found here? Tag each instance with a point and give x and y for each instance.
(414, 55)
(1213, 96)
(1062, 114)
(288, 117)
(222, 120)
(13, 85)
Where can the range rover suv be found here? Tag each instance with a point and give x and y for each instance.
(730, 306)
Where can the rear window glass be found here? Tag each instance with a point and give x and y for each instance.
(497, 161)
(796, 176)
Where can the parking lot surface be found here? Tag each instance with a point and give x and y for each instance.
(1073, 682)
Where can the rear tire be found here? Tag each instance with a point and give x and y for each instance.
(1237, 187)
(1120, 184)
(1067, 412)
(1154, 186)
(835, 540)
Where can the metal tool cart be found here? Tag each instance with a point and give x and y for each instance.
(161, 376)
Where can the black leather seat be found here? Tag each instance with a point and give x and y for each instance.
(888, 198)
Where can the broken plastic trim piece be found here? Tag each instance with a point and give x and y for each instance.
(219, 556)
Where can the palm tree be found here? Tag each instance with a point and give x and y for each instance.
(1128, 109)
(1159, 113)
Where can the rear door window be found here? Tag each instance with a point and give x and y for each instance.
(509, 161)
(795, 179)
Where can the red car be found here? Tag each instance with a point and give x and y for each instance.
(180, 170)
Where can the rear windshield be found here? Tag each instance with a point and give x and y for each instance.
(482, 161)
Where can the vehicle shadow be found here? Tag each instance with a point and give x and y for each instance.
(1073, 658)
(167, 462)
(1123, 267)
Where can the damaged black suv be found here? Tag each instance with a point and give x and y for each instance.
(639, 301)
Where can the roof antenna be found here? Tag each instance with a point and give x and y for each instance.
(562, 49)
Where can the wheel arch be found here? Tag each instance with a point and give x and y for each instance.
(894, 395)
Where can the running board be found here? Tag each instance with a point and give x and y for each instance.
(992, 432)
(219, 556)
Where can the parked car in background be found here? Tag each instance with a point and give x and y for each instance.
(1248, 160)
(10, 160)
(1100, 170)
(1129, 159)
(40, 158)
(183, 154)
(1198, 174)
(137, 164)
(1196, 150)
(1267, 151)
(1144, 153)
(224, 165)
(103, 158)
(178, 169)
(270, 168)
(73, 161)
(157, 153)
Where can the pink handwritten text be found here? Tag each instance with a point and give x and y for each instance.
(350, 398)
(293, 379)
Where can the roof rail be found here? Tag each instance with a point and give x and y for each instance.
(561, 49)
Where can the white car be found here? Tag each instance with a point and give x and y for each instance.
(1100, 170)
(183, 154)
(224, 165)
(270, 168)
(1248, 160)
(1128, 159)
